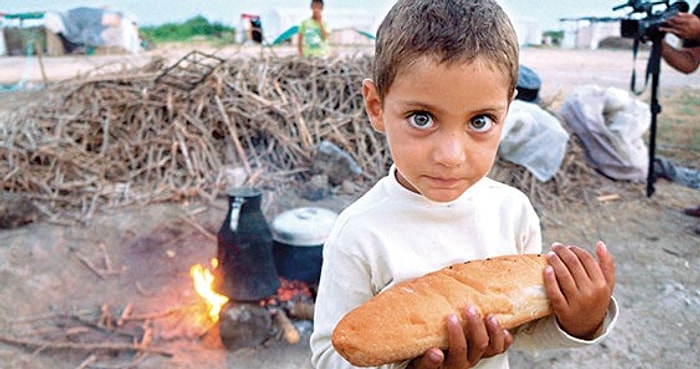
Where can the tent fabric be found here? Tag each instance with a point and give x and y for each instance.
(610, 124)
(286, 35)
(279, 20)
(94, 27)
(84, 26)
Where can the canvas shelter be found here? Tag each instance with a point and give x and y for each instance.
(356, 25)
(19, 31)
(588, 32)
(94, 27)
(348, 25)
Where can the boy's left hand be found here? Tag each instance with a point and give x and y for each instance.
(579, 287)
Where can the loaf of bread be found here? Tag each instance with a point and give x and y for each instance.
(409, 318)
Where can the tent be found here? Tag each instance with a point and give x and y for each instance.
(281, 23)
(94, 27)
(529, 30)
(588, 32)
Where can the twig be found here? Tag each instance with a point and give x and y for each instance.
(289, 332)
(198, 227)
(86, 363)
(110, 346)
(89, 264)
(125, 314)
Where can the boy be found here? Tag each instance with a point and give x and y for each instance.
(444, 75)
(313, 33)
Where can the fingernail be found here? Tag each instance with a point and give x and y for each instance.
(434, 356)
(493, 320)
(551, 255)
(452, 319)
(471, 310)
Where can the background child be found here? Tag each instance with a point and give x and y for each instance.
(444, 76)
(313, 33)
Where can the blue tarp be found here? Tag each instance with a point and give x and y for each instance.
(286, 35)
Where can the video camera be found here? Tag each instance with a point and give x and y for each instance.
(642, 29)
(648, 27)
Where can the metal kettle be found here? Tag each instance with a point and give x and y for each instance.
(246, 269)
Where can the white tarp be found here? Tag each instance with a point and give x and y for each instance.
(610, 124)
(95, 27)
(533, 138)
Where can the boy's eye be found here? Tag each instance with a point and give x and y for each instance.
(421, 120)
(481, 123)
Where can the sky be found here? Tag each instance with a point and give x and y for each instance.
(155, 12)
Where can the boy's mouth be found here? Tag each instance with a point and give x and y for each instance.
(443, 182)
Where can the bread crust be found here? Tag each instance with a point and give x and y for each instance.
(409, 318)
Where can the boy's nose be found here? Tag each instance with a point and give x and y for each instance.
(449, 150)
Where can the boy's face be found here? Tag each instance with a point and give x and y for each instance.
(443, 124)
(316, 10)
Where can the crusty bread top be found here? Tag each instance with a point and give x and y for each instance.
(407, 319)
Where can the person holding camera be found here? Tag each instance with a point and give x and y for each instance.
(685, 59)
(686, 26)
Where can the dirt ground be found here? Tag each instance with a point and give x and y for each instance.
(56, 280)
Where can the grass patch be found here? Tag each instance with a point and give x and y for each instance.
(678, 124)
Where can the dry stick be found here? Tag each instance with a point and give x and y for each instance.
(198, 227)
(40, 58)
(162, 314)
(111, 346)
(86, 363)
(234, 135)
(89, 264)
(289, 332)
(125, 314)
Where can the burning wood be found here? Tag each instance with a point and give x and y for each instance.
(249, 324)
(203, 280)
(289, 332)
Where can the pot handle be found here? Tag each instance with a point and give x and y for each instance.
(236, 207)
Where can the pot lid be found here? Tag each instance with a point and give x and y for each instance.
(307, 226)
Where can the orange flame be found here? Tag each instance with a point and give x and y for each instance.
(203, 280)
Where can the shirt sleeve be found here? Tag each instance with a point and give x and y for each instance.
(545, 334)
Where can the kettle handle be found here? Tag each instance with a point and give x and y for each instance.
(236, 207)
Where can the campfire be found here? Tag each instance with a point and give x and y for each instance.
(203, 281)
(251, 323)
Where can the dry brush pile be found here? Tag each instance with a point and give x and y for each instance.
(121, 138)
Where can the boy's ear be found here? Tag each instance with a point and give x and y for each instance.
(373, 105)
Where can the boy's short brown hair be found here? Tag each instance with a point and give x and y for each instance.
(451, 30)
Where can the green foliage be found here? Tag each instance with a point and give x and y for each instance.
(194, 27)
(555, 37)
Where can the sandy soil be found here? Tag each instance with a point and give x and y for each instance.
(47, 286)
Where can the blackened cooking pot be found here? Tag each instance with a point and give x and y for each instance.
(298, 236)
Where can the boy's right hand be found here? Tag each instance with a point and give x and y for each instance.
(480, 338)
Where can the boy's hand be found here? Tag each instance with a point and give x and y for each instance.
(479, 339)
(580, 288)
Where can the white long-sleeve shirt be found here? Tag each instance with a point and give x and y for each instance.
(392, 234)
